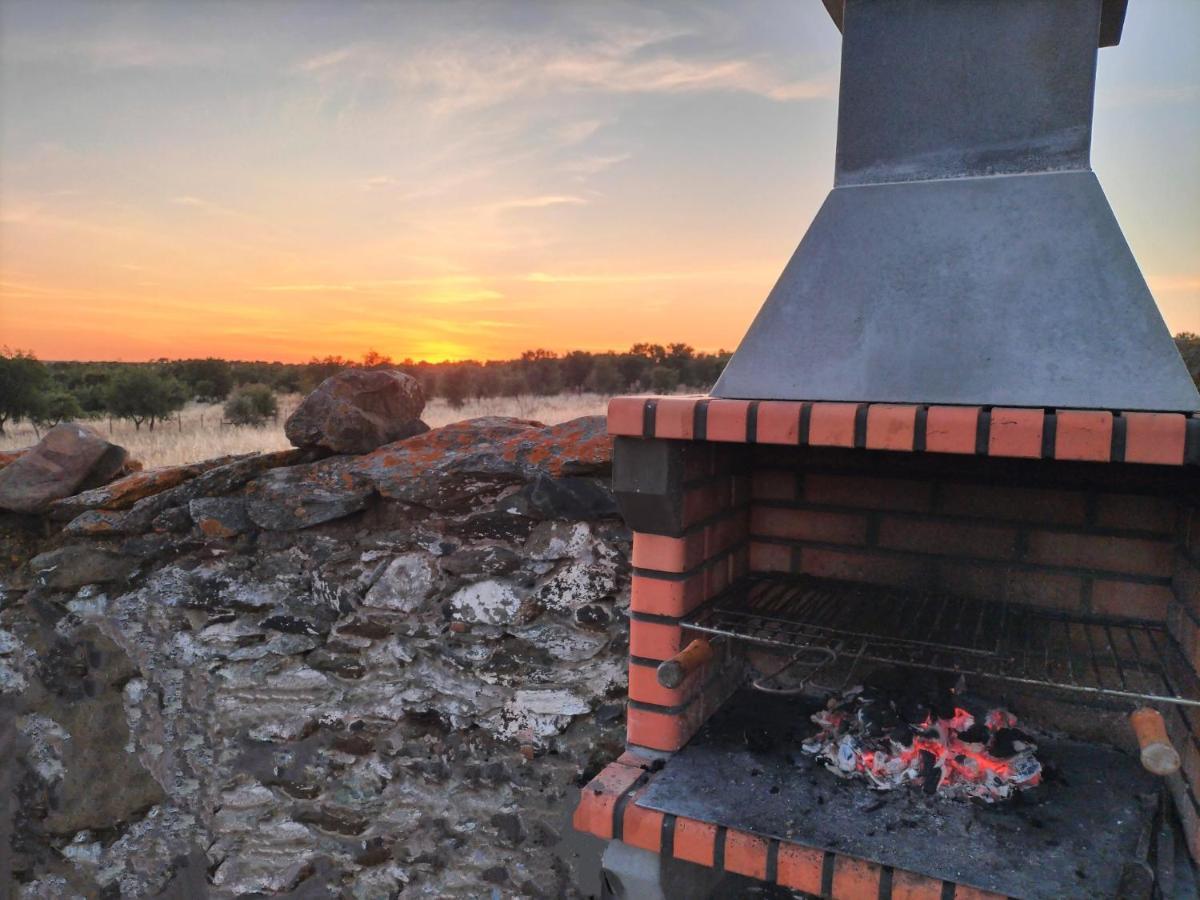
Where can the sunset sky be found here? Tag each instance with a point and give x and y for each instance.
(276, 180)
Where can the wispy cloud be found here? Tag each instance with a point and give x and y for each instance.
(594, 165)
(538, 202)
(472, 72)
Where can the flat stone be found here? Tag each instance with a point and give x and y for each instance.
(358, 410)
(491, 559)
(406, 585)
(302, 496)
(75, 565)
(220, 517)
(564, 498)
(68, 457)
(124, 492)
(491, 602)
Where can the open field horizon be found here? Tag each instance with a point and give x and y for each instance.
(198, 432)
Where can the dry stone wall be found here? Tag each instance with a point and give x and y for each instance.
(347, 676)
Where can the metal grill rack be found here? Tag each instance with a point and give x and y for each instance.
(832, 620)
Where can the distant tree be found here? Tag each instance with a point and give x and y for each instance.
(486, 381)
(455, 385)
(22, 381)
(663, 380)
(633, 369)
(575, 368)
(143, 394)
(251, 404)
(373, 359)
(605, 377)
(512, 383)
(207, 380)
(58, 405)
(541, 371)
(656, 353)
(1188, 343)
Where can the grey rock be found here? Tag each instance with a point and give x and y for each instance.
(302, 496)
(68, 458)
(220, 517)
(358, 410)
(75, 565)
(406, 584)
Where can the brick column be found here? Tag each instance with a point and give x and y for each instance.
(687, 503)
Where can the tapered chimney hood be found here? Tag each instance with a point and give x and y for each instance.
(966, 254)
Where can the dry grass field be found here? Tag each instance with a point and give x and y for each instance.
(198, 433)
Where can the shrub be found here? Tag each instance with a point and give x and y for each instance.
(56, 406)
(251, 404)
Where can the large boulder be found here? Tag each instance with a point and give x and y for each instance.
(358, 410)
(68, 459)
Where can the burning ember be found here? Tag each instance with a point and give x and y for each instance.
(890, 740)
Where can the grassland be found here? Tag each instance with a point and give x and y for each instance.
(198, 433)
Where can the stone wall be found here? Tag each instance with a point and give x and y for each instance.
(340, 676)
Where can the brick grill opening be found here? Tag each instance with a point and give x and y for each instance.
(1075, 514)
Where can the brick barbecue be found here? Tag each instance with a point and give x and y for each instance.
(1029, 537)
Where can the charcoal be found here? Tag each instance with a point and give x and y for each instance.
(976, 734)
(1008, 742)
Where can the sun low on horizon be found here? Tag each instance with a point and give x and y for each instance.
(458, 180)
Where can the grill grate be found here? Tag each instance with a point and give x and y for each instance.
(1007, 641)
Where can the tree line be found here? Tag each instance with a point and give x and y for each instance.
(46, 393)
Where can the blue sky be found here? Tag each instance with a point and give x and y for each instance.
(448, 179)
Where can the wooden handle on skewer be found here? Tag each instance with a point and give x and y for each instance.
(1158, 756)
(672, 672)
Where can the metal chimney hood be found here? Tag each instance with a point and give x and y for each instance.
(966, 254)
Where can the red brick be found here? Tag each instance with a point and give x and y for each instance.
(800, 868)
(1187, 584)
(778, 422)
(971, 580)
(705, 501)
(867, 493)
(809, 525)
(695, 841)
(745, 854)
(1016, 432)
(867, 567)
(654, 640)
(727, 420)
(770, 557)
(594, 815)
(1050, 590)
(1131, 600)
(1134, 556)
(1083, 435)
(948, 537)
(832, 424)
(1158, 514)
(666, 597)
(951, 429)
(667, 554)
(891, 427)
(625, 415)
(1158, 438)
(644, 686)
(855, 879)
(1044, 506)
(641, 827)
(658, 731)
(910, 886)
(773, 484)
(675, 417)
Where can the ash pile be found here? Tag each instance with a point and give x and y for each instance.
(898, 734)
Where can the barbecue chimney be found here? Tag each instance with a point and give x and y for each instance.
(967, 253)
